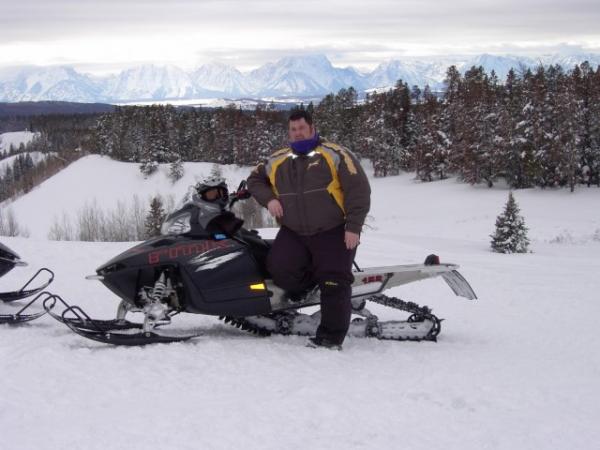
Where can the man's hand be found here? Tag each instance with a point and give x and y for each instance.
(351, 239)
(275, 208)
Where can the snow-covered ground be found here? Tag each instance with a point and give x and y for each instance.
(15, 138)
(102, 181)
(36, 157)
(517, 369)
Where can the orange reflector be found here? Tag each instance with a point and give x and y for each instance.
(258, 287)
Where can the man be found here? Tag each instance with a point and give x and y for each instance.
(320, 194)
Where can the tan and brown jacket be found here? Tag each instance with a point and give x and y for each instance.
(318, 191)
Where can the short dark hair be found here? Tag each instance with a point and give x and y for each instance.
(298, 114)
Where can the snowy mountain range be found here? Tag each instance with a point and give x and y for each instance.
(293, 76)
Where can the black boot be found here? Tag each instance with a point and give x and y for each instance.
(315, 342)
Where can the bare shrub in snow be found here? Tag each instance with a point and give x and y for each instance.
(565, 237)
(118, 224)
(90, 222)
(125, 222)
(253, 215)
(9, 225)
(138, 217)
(61, 229)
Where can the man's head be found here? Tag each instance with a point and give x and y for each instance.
(300, 126)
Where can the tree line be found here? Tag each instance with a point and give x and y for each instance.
(538, 128)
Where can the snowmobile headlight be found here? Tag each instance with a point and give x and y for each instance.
(177, 225)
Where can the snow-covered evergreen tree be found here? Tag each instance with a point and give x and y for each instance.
(148, 167)
(216, 171)
(155, 217)
(176, 170)
(511, 233)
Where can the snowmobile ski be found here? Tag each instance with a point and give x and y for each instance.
(117, 331)
(8, 261)
(21, 316)
(23, 292)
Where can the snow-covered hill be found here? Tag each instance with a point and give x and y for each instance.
(104, 182)
(305, 75)
(397, 200)
(516, 369)
(15, 138)
(36, 157)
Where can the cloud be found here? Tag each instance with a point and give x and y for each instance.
(115, 33)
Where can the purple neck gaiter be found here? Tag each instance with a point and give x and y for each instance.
(306, 145)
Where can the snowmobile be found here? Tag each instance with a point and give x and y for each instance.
(191, 268)
(9, 260)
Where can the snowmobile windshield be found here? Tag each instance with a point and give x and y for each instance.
(193, 197)
(183, 218)
(187, 199)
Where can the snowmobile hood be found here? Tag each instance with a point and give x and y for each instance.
(7, 252)
(163, 249)
(8, 256)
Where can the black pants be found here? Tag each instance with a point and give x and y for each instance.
(297, 263)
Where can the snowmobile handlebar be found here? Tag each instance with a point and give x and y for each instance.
(241, 193)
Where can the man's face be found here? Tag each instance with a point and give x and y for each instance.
(298, 130)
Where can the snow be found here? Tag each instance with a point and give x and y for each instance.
(36, 157)
(516, 369)
(15, 138)
(102, 181)
(314, 74)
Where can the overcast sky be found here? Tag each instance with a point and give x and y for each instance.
(100, 36)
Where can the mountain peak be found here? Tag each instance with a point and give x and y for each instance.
(310, 74)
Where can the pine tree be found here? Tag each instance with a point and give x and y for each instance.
(148, 167)
(155, 217)
(511, 232)
(216, 171)
(176, 170)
